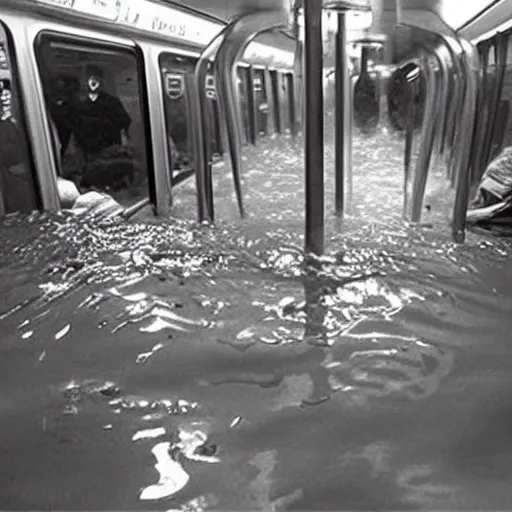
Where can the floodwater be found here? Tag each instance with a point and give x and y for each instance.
(165, 366)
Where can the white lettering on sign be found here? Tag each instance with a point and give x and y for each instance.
(166, 27)
(148, 16)
(129, 13)
(151, 17)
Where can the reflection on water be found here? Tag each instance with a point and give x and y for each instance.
(166, 365)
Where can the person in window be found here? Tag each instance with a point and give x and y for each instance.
(101, 131)
(63, 107)
(16, 192)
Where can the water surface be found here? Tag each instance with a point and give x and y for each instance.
(166, 366)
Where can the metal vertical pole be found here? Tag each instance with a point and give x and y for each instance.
(291, 103)
(251, 106)
(276, 94)
(314, 127)
(194, 116)
(341, 118)
(271, 125)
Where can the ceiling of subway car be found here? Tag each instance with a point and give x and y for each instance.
(230, 9)
(455, 13)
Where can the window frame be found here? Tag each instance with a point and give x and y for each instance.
(17, 91)
(52, 35)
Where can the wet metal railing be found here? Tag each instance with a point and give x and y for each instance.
(482, 118)
(343, 112)
(460, 121)
(412, 79)
(430, 70)
(471, 64)
(313, 128)
(239, 34)
(226, 49)
(500, 59)
(198, 115)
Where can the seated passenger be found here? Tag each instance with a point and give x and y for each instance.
(15, 182)
(63, 100)
(101, 132)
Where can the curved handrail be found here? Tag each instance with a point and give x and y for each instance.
(471, 64)
(199, 126)
(426, 138)
(444, 59)
(477, 150)
(465, 59)
(239, 34)
(501, 50)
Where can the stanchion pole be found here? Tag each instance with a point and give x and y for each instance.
(342, 127)
(314, 127)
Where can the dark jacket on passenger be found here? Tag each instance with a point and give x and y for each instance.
(99, 123)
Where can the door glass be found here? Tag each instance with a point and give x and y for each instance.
(285, 112)
(17, 182)
(260, 97)
(95, 104)
(173, 69)
(241, 73)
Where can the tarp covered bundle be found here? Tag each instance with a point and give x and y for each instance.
(493, 198)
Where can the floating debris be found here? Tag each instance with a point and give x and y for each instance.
(189, 444)
(235, 422)
(150, 433)
(144, 356)
(159, 324)
(63, 332)
(172, 479)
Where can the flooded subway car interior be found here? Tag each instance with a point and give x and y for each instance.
(255, 254)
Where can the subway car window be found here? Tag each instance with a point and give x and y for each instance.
(94, 100)
(17, 182)
(173, 69)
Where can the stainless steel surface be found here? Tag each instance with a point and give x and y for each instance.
(471, 68)
(314, 238)
(347, 5)
(423, 160)
(444, 59)
(465, 59)
(156, 107)
(238, 34)
(342, 107)
(199, 126)
(373, 40)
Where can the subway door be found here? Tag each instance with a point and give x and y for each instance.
(260, 98)
(285, 109)
(276, 100)
(96, 104)
(173, 68)
(19, 190)
(214, 118)
(246, 102)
